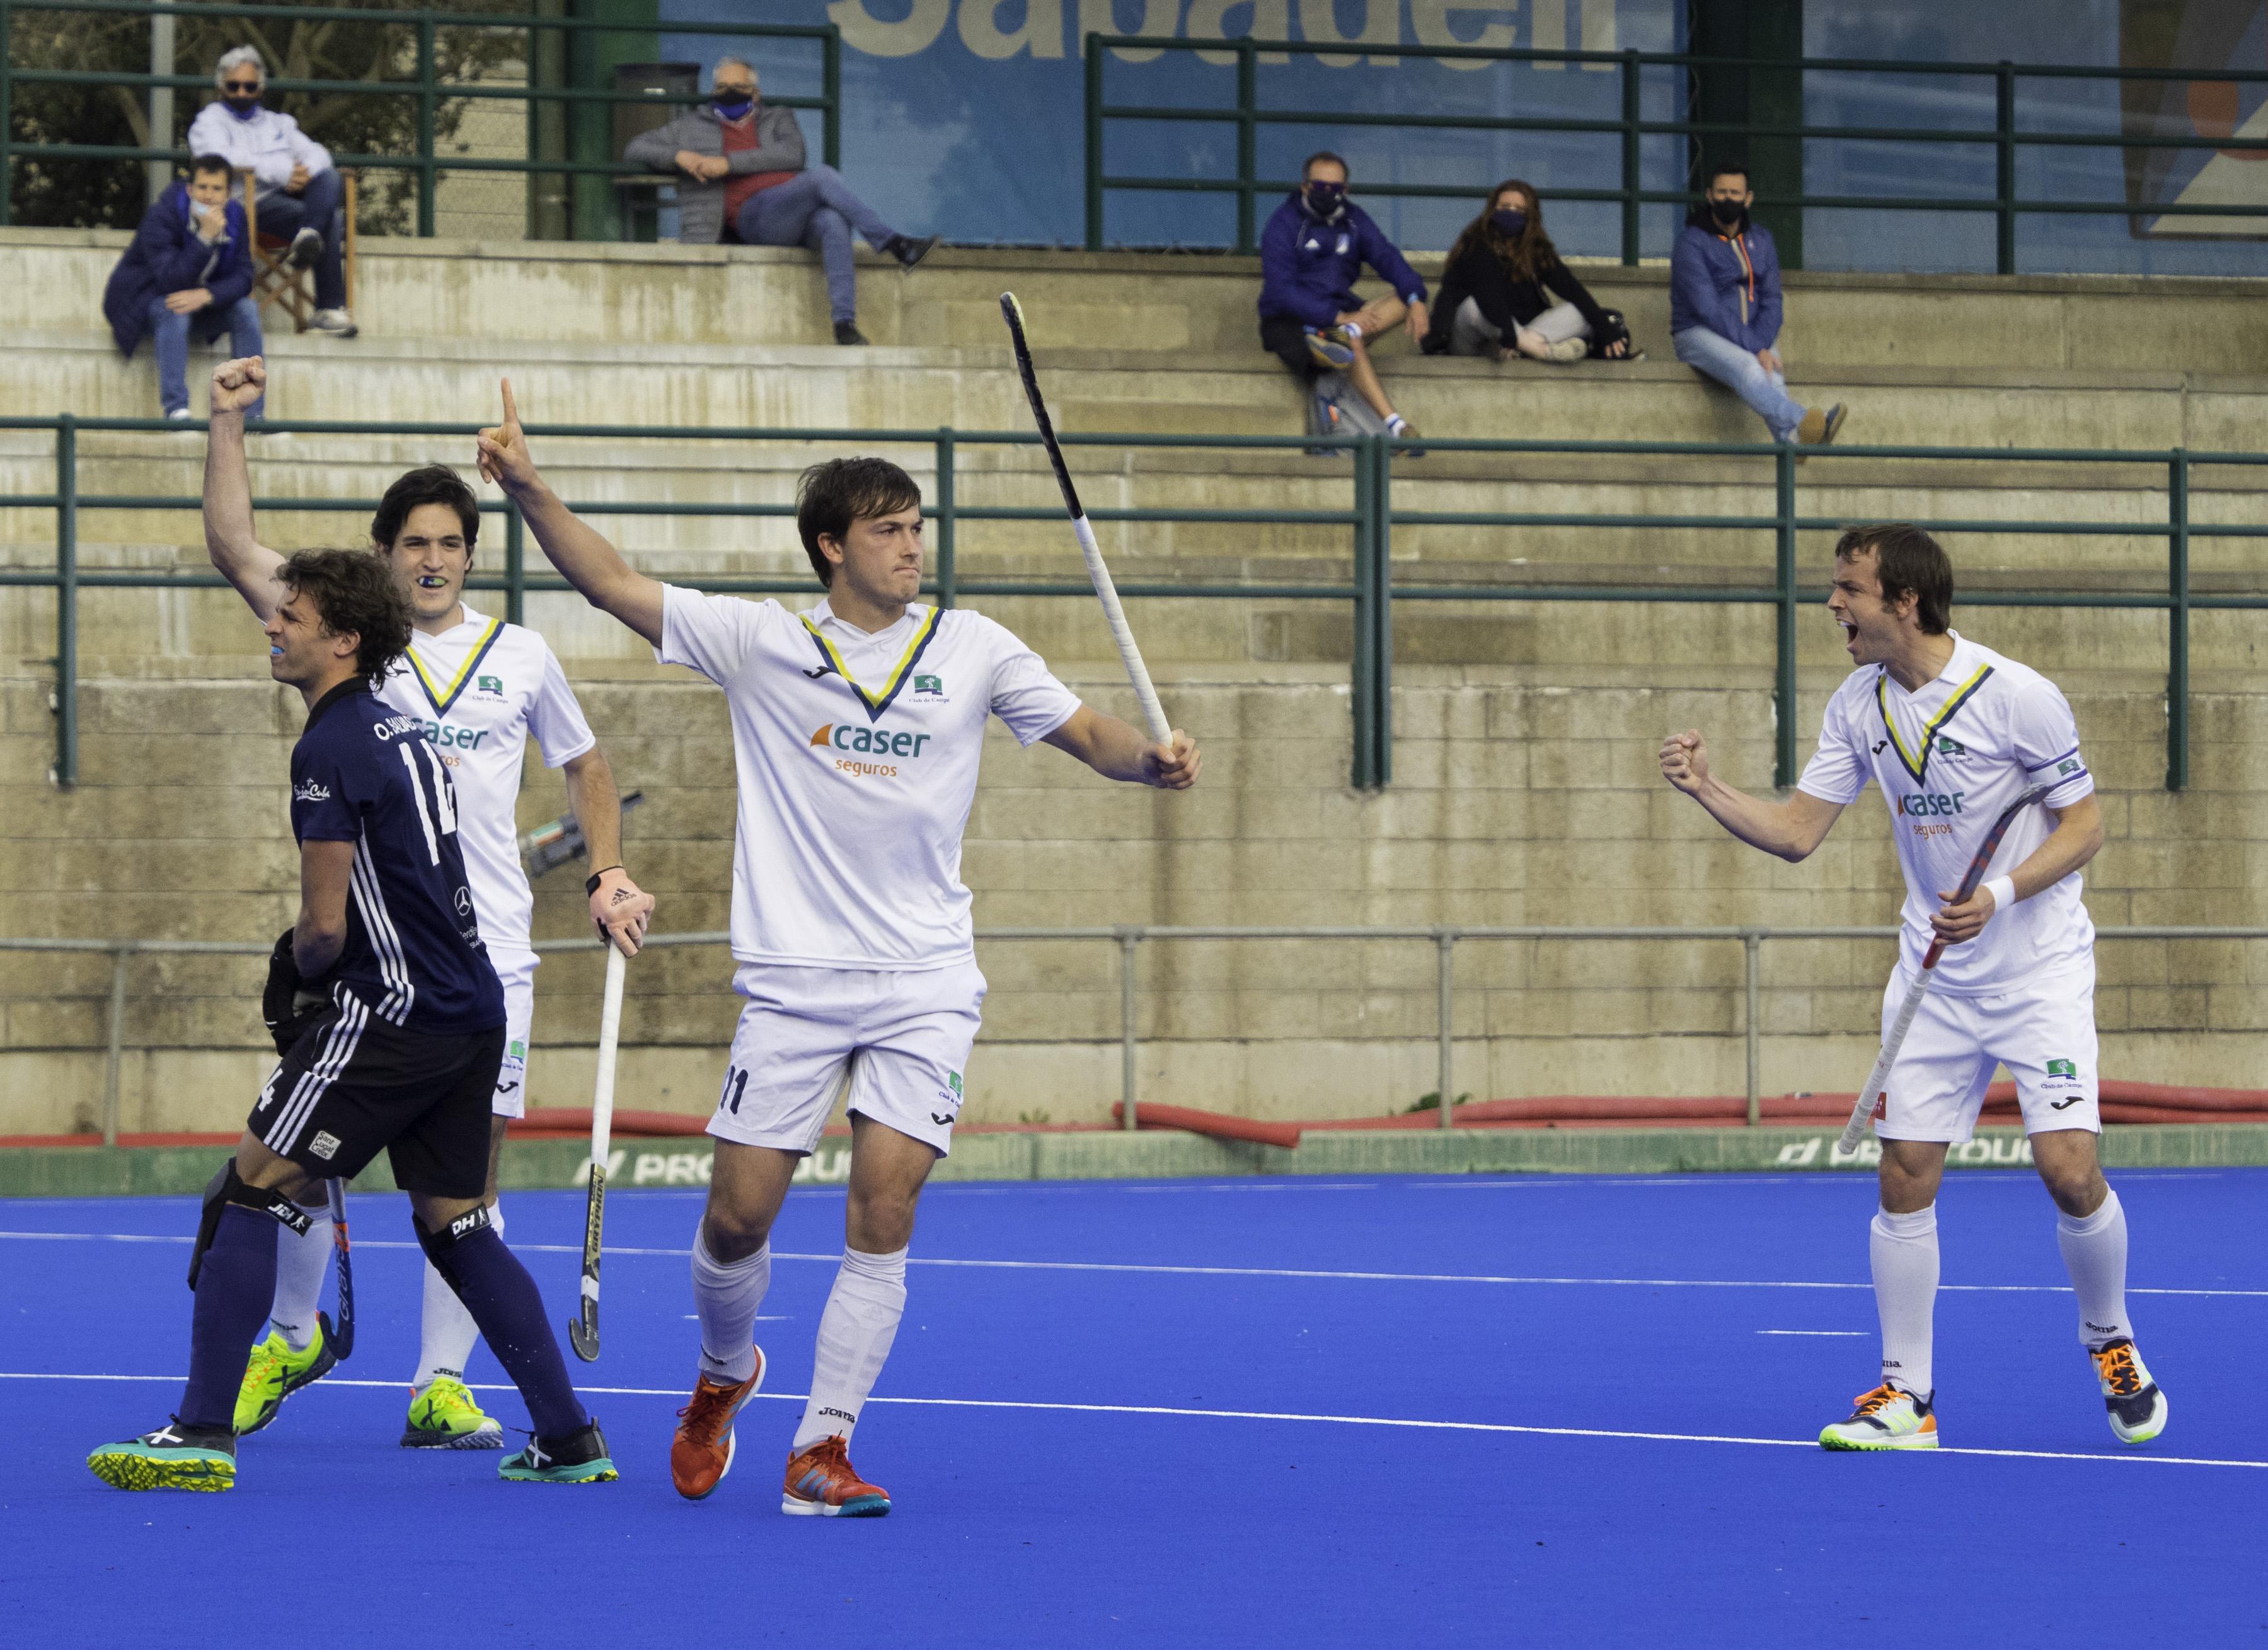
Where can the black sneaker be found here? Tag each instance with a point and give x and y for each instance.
(2137, 1407)
(176, 1456)
(847, 332)
(910, 250)
(306, 246)
(579, 1458)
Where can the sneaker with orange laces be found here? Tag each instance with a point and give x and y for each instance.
(823, 1484)
(702, 1453)
(1885, 1418)
(2138, 1408)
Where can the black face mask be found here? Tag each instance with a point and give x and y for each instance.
(1511, 223)
(1325, 200)
(1728, 213)
(732, 106)
(241, 102)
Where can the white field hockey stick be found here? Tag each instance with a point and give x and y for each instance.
(1153, 715)
(583, 1331)
(1879, 1078)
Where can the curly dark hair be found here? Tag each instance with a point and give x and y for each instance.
(435, 484)
(1524, 256)
(833, 495)
(355, 595)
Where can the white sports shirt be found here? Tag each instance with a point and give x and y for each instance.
(857, 759)
(481, 687)
(1949, 758)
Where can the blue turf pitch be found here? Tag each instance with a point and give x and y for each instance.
(1364, 1358)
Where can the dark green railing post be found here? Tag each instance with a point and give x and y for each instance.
(1784, 609)
(515, 565)
(1093, 144)
(2177, 621)
(2004, 124)
(428, 114)
(66, 774)
(7, 113)
(1248, 144)
(830, 87)
(946, 575)
(1381, 612)
(1631, 106)
(1364, 693)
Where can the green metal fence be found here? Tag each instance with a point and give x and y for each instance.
(1628, 130)
(421, 84)
(1371, 518)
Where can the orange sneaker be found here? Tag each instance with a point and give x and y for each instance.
(823, 1484)
(702, 1453)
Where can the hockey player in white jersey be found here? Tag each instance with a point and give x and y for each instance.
(1954, 733)
(482, 688)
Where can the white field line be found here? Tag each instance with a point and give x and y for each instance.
(835, 1258)
(1834, 1335)
(1178, 1411)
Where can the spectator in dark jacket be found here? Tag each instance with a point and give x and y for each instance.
(1311, 254)
(187, 275)
(1499, 287)
(744, 180)
(1725, 308)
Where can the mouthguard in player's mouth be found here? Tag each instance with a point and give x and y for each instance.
(432, 581)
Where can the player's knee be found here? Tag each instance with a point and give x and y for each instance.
(879, 1222)
(440, 1238)
(731, 1233)
(228, 1187)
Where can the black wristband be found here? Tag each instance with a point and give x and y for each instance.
(591, 882)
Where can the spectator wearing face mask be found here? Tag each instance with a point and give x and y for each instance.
(1506, 293)
(745, 180)
(299, 192)
(1311, 254)
(1725, 308)
(187, 276)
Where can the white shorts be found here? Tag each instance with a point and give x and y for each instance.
(516, 970)
(2042, 1030)
(904, 1038)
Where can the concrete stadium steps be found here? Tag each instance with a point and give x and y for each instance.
(763, 298)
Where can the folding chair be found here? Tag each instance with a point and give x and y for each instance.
(274, 280)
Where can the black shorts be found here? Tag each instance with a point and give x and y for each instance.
(352, 1085)
(1286, 337)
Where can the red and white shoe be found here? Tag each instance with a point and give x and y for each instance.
(822, 1483)
(702, 1453)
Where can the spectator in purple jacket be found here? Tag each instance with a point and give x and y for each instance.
(1311, 254)
(1725, 308)
(187, 275)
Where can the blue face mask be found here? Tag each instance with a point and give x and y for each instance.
(1511, 223)
(1324, 200)
(731, 109)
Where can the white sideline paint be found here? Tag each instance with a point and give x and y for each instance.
(677, 1394)
(1836, 1335)
(1138, 1269)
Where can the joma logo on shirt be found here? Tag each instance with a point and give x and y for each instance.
(1923, 803)
(877, 741)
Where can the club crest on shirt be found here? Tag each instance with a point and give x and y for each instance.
(930, 691)
(489, 687)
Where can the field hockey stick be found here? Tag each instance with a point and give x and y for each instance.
(1154, 715)
(583, 1331)
(343, 1337)
(1879, 1078)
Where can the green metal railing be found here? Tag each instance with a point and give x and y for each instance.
(1629, 128)
(1371, 518)
(424, 85)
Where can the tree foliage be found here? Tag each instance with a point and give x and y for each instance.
(358, 42)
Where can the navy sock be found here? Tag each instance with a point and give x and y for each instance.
(509, 1308)
(234, 1288)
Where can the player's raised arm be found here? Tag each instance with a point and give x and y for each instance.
(583, 555)
(1790, 829)
(1119, 750)
(236, 553)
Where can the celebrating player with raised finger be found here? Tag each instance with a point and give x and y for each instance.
(1963, 742)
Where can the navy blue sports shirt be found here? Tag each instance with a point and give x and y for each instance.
(364, 773)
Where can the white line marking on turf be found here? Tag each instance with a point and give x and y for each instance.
(835, 1258)
(1180, 1411)
(1857, 1335)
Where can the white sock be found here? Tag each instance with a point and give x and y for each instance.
(855, 1333)
(2095, 1253)
(1904, 1249)
(1354, 328)
(727, 1296)
(445, 1330)
(300, 1258)
(1395, 424)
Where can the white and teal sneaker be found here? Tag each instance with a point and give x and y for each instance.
(2138, 1408)
(1885, 1418)
(176, 1456)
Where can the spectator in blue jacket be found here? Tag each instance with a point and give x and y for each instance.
(187, 275)
(1311, 254)
(1725, 308)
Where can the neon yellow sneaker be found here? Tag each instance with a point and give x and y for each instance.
(276, 1372)
(444, 1417)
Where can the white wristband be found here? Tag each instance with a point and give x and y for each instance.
(2003, 890)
